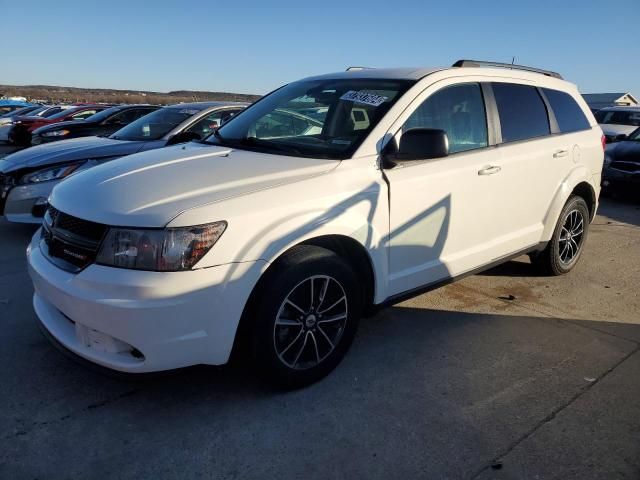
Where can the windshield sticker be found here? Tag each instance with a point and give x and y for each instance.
(364, 97)
(188, 111)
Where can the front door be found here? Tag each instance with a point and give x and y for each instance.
(441, 210)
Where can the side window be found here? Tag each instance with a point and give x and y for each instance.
(84, 114)
(522, 112)
(459, 111)
(128, 116)
(568, 113)
(205, 126)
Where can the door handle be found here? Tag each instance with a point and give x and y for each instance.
(490, 170)
(560, 153)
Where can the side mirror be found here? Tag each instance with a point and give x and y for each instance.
(423, 144)
(620, 137)
(183, 137)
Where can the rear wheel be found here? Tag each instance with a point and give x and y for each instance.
(565, 247)
(306, 316)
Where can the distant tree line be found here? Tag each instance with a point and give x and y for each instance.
(53, 94)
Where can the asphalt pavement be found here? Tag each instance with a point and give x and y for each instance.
(503, 375)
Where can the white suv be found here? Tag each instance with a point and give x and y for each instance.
(327, 198)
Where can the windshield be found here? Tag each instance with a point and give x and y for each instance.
(50, 111)
(103, 114)
(37, 111)
(618, 117)
(317, 118)
(64, 113)
(635, 135)
(20, 111)
(154, 125)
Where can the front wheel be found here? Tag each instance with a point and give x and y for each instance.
(566, 245)
(306, 316)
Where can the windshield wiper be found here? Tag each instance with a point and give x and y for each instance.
(259, 142)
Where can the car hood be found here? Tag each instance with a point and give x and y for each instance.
(29, 118)
(612, 130)
(151, 188)
(68, 151)
(625, 151)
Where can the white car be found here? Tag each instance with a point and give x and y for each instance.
(618, 122)
(272, 238)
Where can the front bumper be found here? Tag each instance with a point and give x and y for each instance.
(4, 132)
(135, 321)
(27, 203)
(618, 180)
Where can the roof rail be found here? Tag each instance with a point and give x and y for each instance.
(480, 63)
(353, 69)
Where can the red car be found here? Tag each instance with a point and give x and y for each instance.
(20, 134)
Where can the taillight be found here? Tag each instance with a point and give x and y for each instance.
(604, 141)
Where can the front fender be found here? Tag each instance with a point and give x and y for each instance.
(576, 176)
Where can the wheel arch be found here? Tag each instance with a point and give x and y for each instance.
(588, 193)
(346, 247)
(578, 182)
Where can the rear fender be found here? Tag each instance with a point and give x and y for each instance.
(578, 175)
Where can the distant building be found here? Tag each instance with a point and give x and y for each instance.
(597, 101)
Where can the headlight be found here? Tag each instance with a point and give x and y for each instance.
(607, 160)
(53, 173)
(56, 133)
(166, 250)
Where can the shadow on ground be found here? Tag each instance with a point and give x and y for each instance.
(422, 394)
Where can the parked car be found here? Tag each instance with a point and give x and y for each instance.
(20, 133)
(49, 110)
(8, 106)
(28, 176)
(100, 124)
(276, 237)
(618, 122)
(8, 120)
(8, 117)
(621, 173)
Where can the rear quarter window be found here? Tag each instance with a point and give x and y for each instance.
(568, 113)
(523, 114)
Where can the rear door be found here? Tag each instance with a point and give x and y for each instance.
(529, 169)
(535, 158)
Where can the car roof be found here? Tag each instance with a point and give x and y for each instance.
(203, 105)
(410, 73)
(417, 73)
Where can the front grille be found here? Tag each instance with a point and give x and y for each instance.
(631, 167)
(70, 242)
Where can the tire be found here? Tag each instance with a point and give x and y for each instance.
(563, 251)
(21, 137)
(296, 342)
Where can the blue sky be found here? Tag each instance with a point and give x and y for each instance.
(253, 47)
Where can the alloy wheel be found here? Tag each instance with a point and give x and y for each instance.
(310, 322)
(571, 236)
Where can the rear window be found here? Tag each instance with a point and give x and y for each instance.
(522, 112)
(568, 113)
(619, 117)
